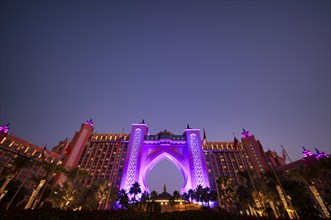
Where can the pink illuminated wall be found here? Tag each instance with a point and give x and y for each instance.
(184, 151)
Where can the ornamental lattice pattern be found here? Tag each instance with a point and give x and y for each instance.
(133, 159)
(196, 159)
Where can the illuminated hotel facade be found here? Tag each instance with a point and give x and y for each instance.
(123, 159)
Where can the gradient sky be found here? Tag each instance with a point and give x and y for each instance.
(219, 65)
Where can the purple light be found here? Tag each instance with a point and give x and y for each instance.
(5, 128)
(90, 122)
(143, 154)
(245, 134)
(306, 153)
(320, 155)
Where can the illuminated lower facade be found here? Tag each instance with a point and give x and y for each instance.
(123, 159)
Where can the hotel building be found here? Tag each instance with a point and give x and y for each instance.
(104, 156)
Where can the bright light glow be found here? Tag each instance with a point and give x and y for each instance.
(319, 200)
(245, 134)
(320, 155)
(282, 197)
(306, 153)
(4, 128)
(90, 122)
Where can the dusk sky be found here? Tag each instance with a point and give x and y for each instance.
(219, 65)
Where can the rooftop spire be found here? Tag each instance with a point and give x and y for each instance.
(5, 128)
(204, 137)
(245, 133)
(90, 122)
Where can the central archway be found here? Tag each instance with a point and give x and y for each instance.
(155, 159)
(164, 173)
(145, 151)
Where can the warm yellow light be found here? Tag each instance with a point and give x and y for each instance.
(26, 150)
(319, 200)
(3, 140)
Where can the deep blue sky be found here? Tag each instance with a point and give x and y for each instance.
(219, 65)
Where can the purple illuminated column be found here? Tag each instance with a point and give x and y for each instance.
(133, 156)
(199, 174)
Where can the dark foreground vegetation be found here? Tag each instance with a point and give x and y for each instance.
(59, 214)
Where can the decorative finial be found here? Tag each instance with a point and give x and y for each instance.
(90, 122)
(188, 126)
(245, 133)
(306, 153)
(5, 128)
(164, 188)
(143, 122)
(320, 154)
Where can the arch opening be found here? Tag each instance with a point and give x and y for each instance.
(165, 172)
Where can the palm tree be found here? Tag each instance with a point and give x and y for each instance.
(63, 196)
(143, 200)
(68, 194)
(190, 194)
(21, 163)
(144, 196)
(51, 170)
(102, 192)
(12, 189)
(9, 173)
(68, 190)
(205, 195)
(135, 189)
(153, 195)
(176, 196)
(245, 199)
(123, 198)
(262, 195)
(186, 196)
(306, 176)
(301, 199)
(111, 198)
(227, 192)
(212, 196)
(153, 206)
(86, 198)
(198, 193)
